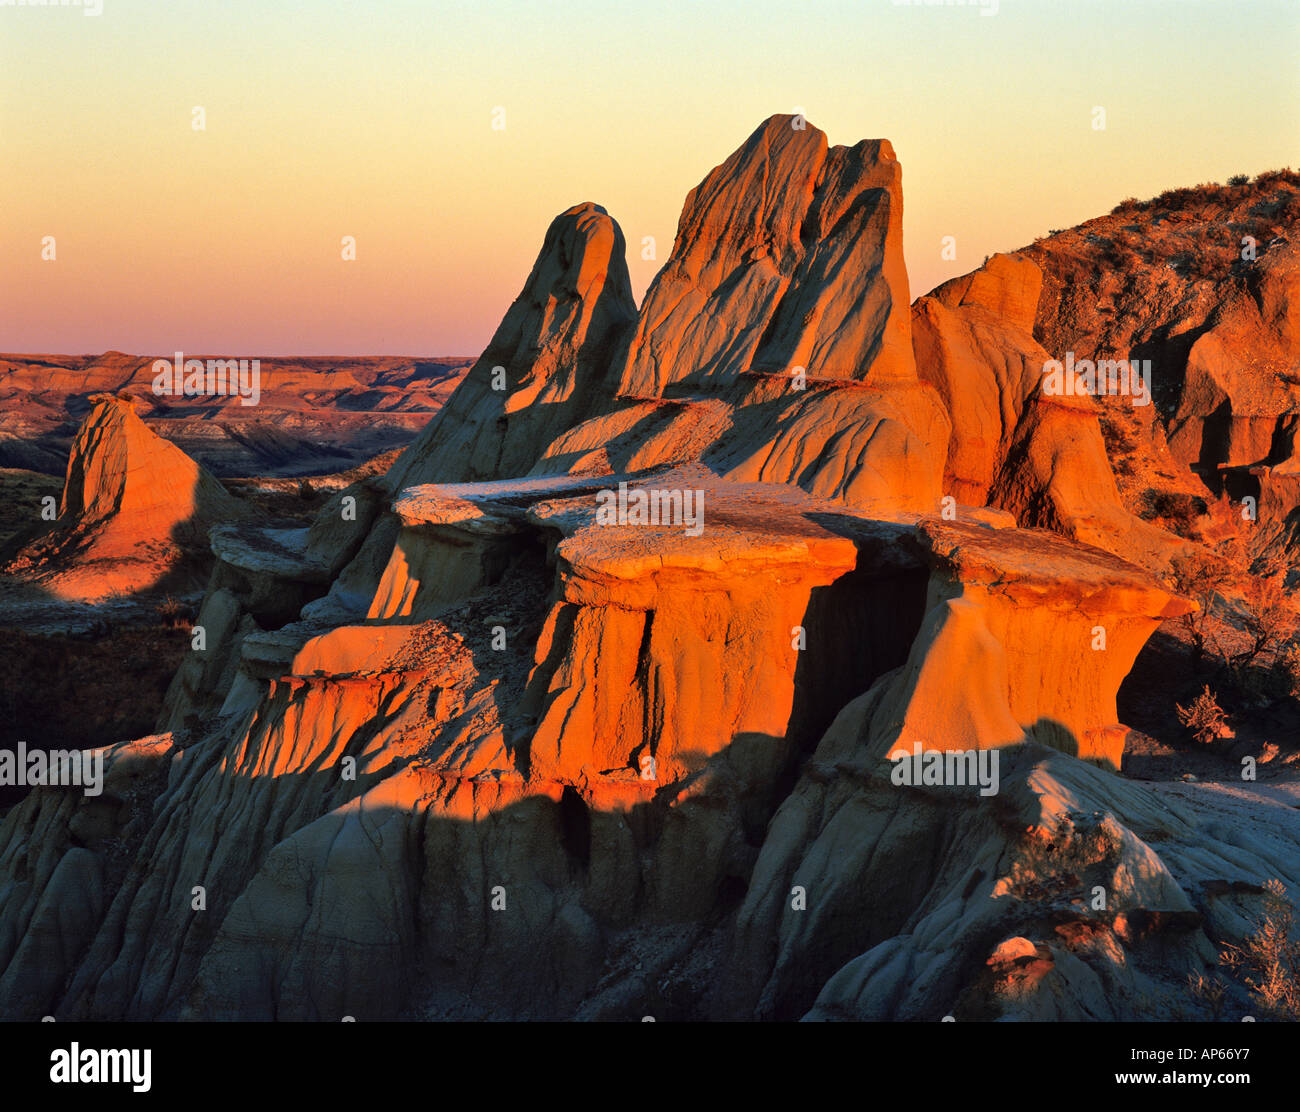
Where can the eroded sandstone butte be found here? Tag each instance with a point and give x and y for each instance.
(1203, 285)
(133, 516)
(773, 346)
(462, 748)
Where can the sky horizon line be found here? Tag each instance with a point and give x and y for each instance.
(639, 297)
(198, 171)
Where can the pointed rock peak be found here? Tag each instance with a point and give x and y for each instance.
(781, 122)
(1008, 286)
(587, 220)
(789, 254)
(777, 135)
(587, 207)
(543, 368)
(119, 466)
(134, 516)
(583, 252)
(763, 188)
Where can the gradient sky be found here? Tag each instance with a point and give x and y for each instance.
(373, 119)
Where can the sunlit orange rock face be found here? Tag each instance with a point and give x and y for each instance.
(803, 237)
(1168, 280)
(471, 746)
(1040, 457)
(122, 473)
(1041, 634)
(677, 649)
(774, 346)
(133, 506)
(536, 376)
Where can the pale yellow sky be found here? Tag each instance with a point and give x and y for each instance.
(374, 120)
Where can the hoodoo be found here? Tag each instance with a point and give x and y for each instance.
(477, 744)
(134, 510)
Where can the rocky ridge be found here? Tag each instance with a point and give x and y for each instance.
(464, 748)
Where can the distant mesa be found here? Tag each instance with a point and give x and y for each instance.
(313, 415)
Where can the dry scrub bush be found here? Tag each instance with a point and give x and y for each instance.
(1203, 717)
(1286, 670)
(1269, 618)
(1209, 991)
(1268, 962)
(1177, 511)
(172, 613)
(1201, 577)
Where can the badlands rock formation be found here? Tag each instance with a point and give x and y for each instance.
(134, 510)
(534, 379)
(312, 414)
(774, 346)
(1205, 284)
(471, 746)
(1040, 457)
